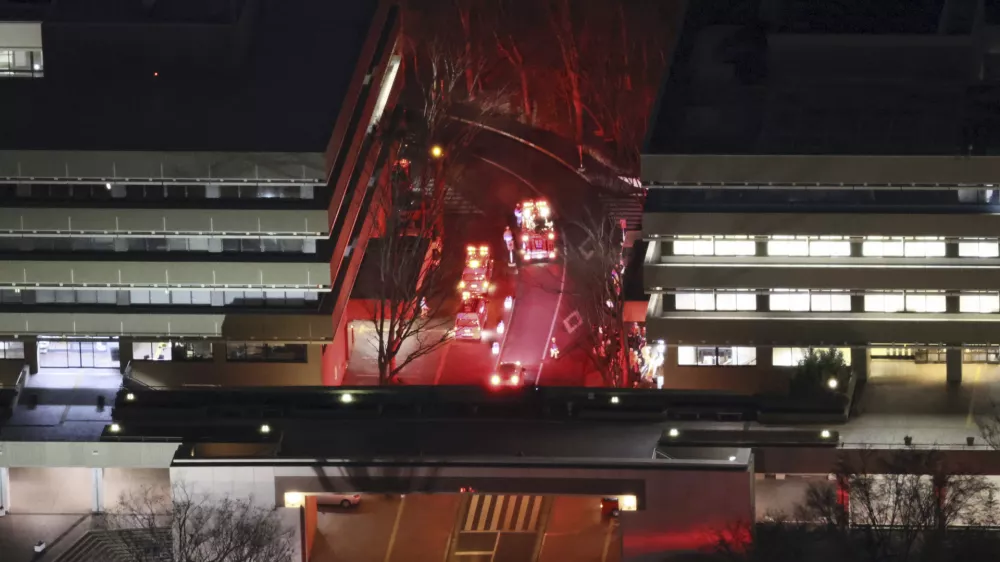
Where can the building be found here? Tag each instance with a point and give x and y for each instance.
(185, 184)
(822, 175)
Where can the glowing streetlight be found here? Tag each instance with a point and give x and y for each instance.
(437, 151)
(832, 383)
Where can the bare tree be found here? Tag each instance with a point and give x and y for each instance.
(152, 526)
(595, 267)
(566, 27)
(512, 24)
(885, 506)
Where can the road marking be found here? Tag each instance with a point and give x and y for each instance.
(572, 322)
(395, 529)
(503, 514)
(607, 539)
(552, 328)
(501, 167)
(587, 254)
(444, 357)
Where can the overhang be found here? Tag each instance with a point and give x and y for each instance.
(760, 170)
(163, 222)
(689, 272)
(819, 329)
(110, 325)
(149, 167)
(821, 224)
(180, 274)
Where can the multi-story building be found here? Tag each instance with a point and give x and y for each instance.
(185, 185)
(825, 180)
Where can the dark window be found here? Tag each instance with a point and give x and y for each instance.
(277, 353)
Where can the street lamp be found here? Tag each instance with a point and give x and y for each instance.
(437, 151)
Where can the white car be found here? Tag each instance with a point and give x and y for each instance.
(343, 500)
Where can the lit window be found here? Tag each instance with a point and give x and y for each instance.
(789, 300)
(722, 300)
(792, 356)
(971, 248)
(985, 303)
(925, 247)
(788, 246)
(735, 246)
(884, 302)
(924, 302)
(830, 301)
(829, 246)
(882, 246)
(722, 356)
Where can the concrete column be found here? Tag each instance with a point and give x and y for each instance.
(857, 303)
(668, 302)
(31, 354)
(761, 249)
(4, 490)
(98, 490)
(664, 248)
(951, 249)
(124, 353)
(951, 302)
(953, 365)
(763, 302)
(857, 248)
(861, 362)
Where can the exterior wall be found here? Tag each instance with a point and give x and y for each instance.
(755, 379)
(669, 520)
(51, 490)
(220, 372)
(119, 481)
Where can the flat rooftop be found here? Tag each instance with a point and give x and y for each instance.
(286, 98)
(812, 77)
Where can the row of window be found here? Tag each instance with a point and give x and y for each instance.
(158, 244)
(235, 351)
(22, 62)
(802, 300)
(11, 350)
(129, 297)
(105, 192)
(744, 356)
(832, 246)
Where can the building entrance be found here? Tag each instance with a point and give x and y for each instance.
(67, 353)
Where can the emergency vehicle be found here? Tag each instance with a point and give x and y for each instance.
(478, 272)
(471, 317)
(538, 234)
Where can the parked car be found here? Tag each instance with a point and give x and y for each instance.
(343, 500)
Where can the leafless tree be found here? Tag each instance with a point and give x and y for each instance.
(594, 272)
(513, 23)
(565, 25)
(896, 506)
(989, 424)
(152, 526)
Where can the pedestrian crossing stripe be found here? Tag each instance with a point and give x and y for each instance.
(502, 513)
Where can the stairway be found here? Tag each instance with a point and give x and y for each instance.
(114, 546)
(628, 207)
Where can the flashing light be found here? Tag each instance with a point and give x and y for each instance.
(495, 349)
(518, 363)
(500, 327)
(552, 255)
(524, 238)
(437, 151)
(527, 257)
(484, 250)
(265, 429)
(130, 397)
(461, 284)
(614, 400)
(508, 303)
(495, 380)
(470, 249)
(466, 295)
(552, 236)
(114, 428)
(474, 264)
(515, 379)
(486, 285)
(543, 211)
(347, 398)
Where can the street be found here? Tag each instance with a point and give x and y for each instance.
(467, 527)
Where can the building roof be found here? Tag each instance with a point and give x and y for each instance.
(285, 97)
(825, 77)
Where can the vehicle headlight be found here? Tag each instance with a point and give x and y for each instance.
(495, 380)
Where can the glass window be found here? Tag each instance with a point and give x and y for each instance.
(26, 63)
(152, 351)
(721, 300)
(788, 246)
(693, 246)
(972, 248)
(789, 300)
(253, 351)
(923, 302)
(830, 301)
(735, 246)
(788, 356)
(985, 303)
(192, 351)
(884, 302)
(11, 350)
(882, 246)
(722, 356)
(925, 247)
(829, 246)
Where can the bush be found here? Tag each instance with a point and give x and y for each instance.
(814, 373)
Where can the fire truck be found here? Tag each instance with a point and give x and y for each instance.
(538, 234)
(478, 272)
(471, 317)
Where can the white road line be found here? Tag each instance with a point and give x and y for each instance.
(444, 357)
(552, 328)
(395, 529)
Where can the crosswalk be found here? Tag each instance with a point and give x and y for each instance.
(503, 513)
